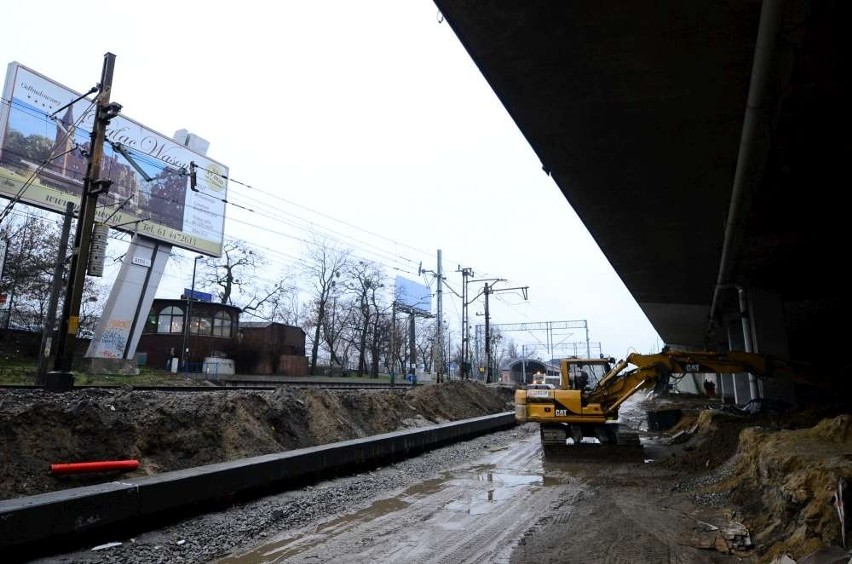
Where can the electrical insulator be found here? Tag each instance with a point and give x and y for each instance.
(97, 249)
(110, 111)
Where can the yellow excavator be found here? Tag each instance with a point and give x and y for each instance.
(580, 408)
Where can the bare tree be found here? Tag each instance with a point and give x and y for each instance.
(284, 305)
(365, 279)
(236, 267)
(380, 332)
(502, 346)
(337, 332)
(425, 343)
(94, 298)
(457, 357)
(234, 279)
(324, 264)
(511, 349)
(28, 278)
(397, 341)
(29, 267)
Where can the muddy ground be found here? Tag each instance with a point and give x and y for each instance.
(736, 487)
(739, 487)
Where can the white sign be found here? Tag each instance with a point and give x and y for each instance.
(413, 295)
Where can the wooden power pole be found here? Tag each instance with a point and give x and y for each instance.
(61, 378)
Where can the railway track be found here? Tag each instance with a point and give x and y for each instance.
(240, 385)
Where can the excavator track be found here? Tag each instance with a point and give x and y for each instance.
(625, 437)
(553, 435)
(622, 436)
(589, 452)
(616, 443)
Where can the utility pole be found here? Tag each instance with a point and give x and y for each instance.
(487, 343)
(50, 320)
(488, 353)
(438, 348)
(487, 340)
(184, 351)
(439, 322)
(466, 273)
(449, 358)
(61, 378)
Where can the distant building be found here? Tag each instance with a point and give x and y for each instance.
(215, 330)
(517, 371)
(271, 348)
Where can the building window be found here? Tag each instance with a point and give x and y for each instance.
(200, 325)
(170, 320)
(222, 324)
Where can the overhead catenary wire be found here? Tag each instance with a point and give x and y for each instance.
(403, 264)
(301, 223)
(392, 261)
(34, 174)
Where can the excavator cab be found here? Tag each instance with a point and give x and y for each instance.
(583, 374)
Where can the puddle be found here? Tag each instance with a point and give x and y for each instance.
(485, 487)
(283, 548)
(446, 503)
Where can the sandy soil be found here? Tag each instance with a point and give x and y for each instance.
(717, 487)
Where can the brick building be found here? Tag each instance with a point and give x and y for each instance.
(215, 330)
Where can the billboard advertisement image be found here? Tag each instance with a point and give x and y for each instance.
(412, 296)
(160, 188)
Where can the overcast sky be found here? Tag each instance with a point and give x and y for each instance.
(364, 121)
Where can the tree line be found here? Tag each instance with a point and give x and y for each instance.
(343, 303)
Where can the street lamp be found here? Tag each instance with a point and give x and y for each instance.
(188, 319)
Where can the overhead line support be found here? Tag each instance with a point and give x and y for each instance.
(61, 378)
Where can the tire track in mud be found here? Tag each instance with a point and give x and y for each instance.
(475, 513)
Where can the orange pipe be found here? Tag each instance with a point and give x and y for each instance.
(102, 466)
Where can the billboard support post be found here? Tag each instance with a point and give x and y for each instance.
(414, 299)
(61, 378)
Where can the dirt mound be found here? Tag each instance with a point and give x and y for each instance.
(168, 431)
(787, 481)
(713, 437)
(781, 472)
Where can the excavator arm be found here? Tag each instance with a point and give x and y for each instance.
(620, 383)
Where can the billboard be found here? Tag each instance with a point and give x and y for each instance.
(410, 295)
(45, 141)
